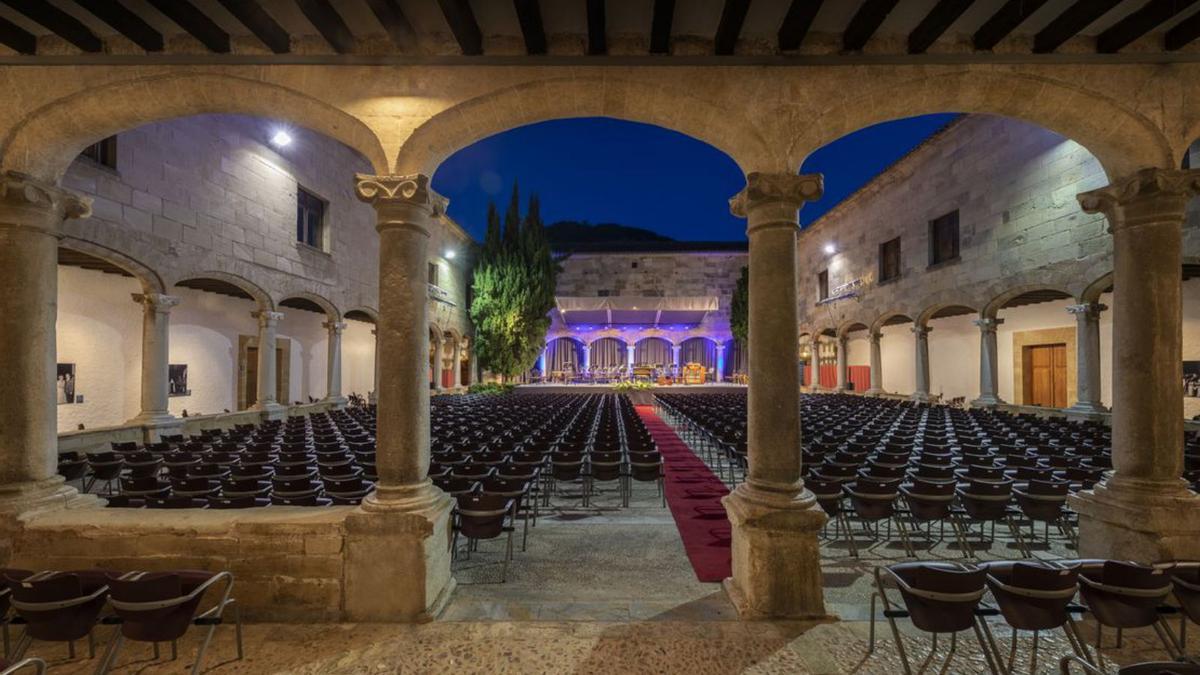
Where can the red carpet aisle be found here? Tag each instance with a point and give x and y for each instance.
(694, 495)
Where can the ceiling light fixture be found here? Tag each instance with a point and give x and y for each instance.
(281, 139)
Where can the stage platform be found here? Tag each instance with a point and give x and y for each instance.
(556, 388)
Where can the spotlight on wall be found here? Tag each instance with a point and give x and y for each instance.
(830, 249)
(281, 139)
(450, 253)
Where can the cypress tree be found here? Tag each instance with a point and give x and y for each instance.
(739, 309)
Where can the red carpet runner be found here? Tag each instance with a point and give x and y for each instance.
(694, 495)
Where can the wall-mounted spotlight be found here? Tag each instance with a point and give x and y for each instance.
(830, 249)
(281, 139)
(450, 254)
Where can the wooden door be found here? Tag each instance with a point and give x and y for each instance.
(1045, 368)
(251, 382)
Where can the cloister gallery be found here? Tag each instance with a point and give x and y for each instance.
(237, 342)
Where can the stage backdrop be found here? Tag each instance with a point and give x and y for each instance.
(653, 351)
(608, 352)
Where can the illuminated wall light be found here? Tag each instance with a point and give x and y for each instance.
(830, 249)
(450, 254)
(281, 139)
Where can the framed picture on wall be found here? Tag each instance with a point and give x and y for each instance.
(177, 376)
(65, 384)
(1191, 379)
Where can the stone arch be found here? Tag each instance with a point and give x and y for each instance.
(997, 303)
(362, 313)
(851, 325)
(1120, 138)
(567, 97)
(935, 311)
(256, 292)
(44, 143)
(889, 318)
(325, 304)
(150, 280)
(1093, 291)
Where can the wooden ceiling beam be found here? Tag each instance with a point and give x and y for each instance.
(733, 15)
(1004, 21)
(325, 18)
(125, 22)
(866, 21)
(1143, 20)
(660, 26)
(1183, 33)
(597, 38)
(257, 21)
(529, 15)
(16, 38)
(797, 22)
(935, 23)
(463, 25)
(196, 23)
(1068, 24)
(60, 23)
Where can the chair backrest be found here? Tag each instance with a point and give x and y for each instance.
(939, 597)
(59, 607)
(481, 516)
(150, 623)
(1124, 594)
(929, 500)
(1032, 595)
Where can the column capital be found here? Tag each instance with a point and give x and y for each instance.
(31, 203)
(335, 327)
(779, 195)
(874, 336)
(1090, 309)
(920, 331)
(400, 201)
(1147, 196)
(266, 318)
(156, 302)
(720, 347)
(988, 325)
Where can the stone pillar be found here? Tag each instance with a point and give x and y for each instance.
(775, 519)
(267, 382)
(333, 386)
(456, 364)
(1143, 509)
(676, 353)
(587, 357)
(1087, 358)
(397, 553)
(436, 364)
(842, 363)
(989, 373)
(720, 363)
(375, 390)
(921, 363)
(815, 365)
(876, 363)
(630, 352)
(156, 355)
(31, 214)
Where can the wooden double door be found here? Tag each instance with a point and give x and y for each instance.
(1045, 373)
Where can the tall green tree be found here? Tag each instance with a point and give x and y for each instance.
(739, 309)
(513, 290)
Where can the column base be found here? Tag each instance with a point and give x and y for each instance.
(336, 402)
(776, 555)
(398, 556)
(1086, 410)
(874, 391)
(271, 410)
(987, 401)
(18, 500)
(920, 397)
(157, 424)
(1145, 521)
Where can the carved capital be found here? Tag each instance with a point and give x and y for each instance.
(267, 319)
(28, 202)
(1091, 310)
(156, 302)
(874, 337)
(400, 201)
(920, 331)
(335, 327)
(1147, 196)
(787, 191)
(988, 325)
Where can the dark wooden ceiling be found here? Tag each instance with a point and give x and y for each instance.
(975, 29)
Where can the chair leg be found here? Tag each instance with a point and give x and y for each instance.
(203, 648)
(110, 654)
(237, 631)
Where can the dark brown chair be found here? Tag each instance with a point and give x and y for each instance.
(1185, 581)
(567, 467)
(1154, 668)
(160, 606)
(606, 467)
(58, 607)
(873, 502)
(931, 502)
(105, 467)
(938, 598)
(646, 467)
(1045, 502)
(984, 502)
(1125, 595)
(7, 575)
(348, 491)
(1035, 596)
(484, 517)
(517, 491)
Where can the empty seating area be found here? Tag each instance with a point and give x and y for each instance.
(152, 608)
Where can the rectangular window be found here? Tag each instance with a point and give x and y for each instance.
(889, 260)
(433, 274)
(102, 152)
(310, 219)
(943, 239)
(823, 285)
(603, 293)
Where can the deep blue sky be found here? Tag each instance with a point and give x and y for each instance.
(603, 170)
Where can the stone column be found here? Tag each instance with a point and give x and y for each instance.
(842, 363)
(989, 373)
(1087, 358)
(630, 352)
(31, 214)
(676, 352)
(397, 553)
(775, 519)
(267, 382)
(1143, 509)
(815, 365)
(156, 354)
(876, 363)
(375, 390)
(922, 363)
(333, 386)
(720, 363)
(436, 364)
(456, 364)
(587, 357)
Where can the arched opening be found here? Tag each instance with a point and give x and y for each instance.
(564, 359)
(896, 371)
(858, 356)
(701, 351)
(609, 354)
(737, 362)
(653, 352)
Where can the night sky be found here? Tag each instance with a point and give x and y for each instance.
(603, 170)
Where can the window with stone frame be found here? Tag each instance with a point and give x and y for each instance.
(823, 285)
(432, 270)
(889, 260)
(102, 152)
(310, 219)
(943, 239)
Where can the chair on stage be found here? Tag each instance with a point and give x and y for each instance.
(693, 373)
